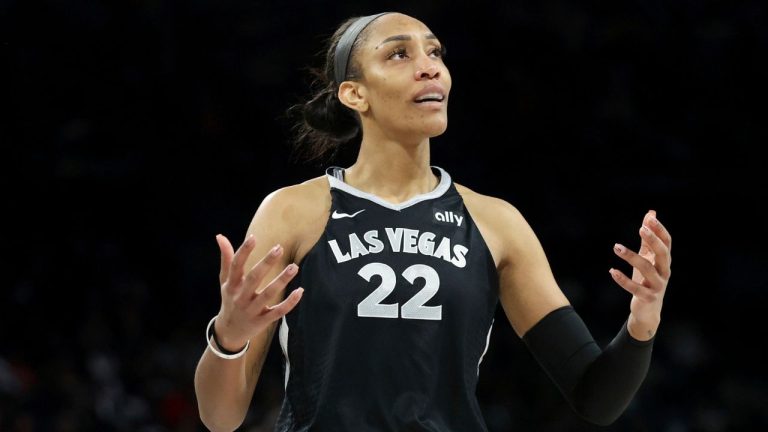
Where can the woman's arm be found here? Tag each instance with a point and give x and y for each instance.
(598, 383)
(253, 282)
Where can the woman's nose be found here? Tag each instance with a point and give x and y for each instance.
(427, 69)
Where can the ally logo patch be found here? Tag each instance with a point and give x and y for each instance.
(448, 217)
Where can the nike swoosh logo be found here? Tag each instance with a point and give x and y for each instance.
(337, 215)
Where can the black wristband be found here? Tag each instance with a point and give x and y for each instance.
(218, 345)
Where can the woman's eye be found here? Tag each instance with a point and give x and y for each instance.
(400, 53)
(397, 53)
(438, 52)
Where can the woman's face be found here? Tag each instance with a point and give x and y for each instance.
(405, 82)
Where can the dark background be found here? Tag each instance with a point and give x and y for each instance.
(133, 132)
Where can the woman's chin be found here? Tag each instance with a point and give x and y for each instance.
(437, 128)
(432, 125)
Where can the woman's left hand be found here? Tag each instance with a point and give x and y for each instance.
(650, 275)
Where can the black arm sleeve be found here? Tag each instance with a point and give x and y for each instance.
(598, 384)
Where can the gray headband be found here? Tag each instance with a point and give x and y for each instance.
(344, 47)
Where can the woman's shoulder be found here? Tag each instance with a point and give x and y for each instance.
(501, 219)
(487, 205)
(499, 222)
(300, 199)
(296, 214)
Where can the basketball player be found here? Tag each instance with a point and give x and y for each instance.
(384, 321)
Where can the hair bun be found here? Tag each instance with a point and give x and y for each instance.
(325, 113)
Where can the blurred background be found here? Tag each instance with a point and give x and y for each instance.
(133, 132)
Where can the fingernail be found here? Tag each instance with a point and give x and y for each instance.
(644, 230)
(275, 250)
(249, 240)
(292, 268)
(653, 221)
(618, 248)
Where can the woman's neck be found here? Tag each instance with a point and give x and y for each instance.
(393, 171)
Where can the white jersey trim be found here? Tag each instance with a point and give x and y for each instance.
(487, 342)
(283, 336)
(335, 178)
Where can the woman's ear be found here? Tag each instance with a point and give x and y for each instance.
(352, 94)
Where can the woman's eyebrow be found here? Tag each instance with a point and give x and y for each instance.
(403, 38)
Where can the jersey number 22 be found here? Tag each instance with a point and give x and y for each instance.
(414, 308)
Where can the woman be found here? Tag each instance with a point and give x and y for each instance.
(384, 324)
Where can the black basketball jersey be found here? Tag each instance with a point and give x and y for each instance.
(395, 318)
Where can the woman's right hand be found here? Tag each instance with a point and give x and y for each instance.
(245, 310)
